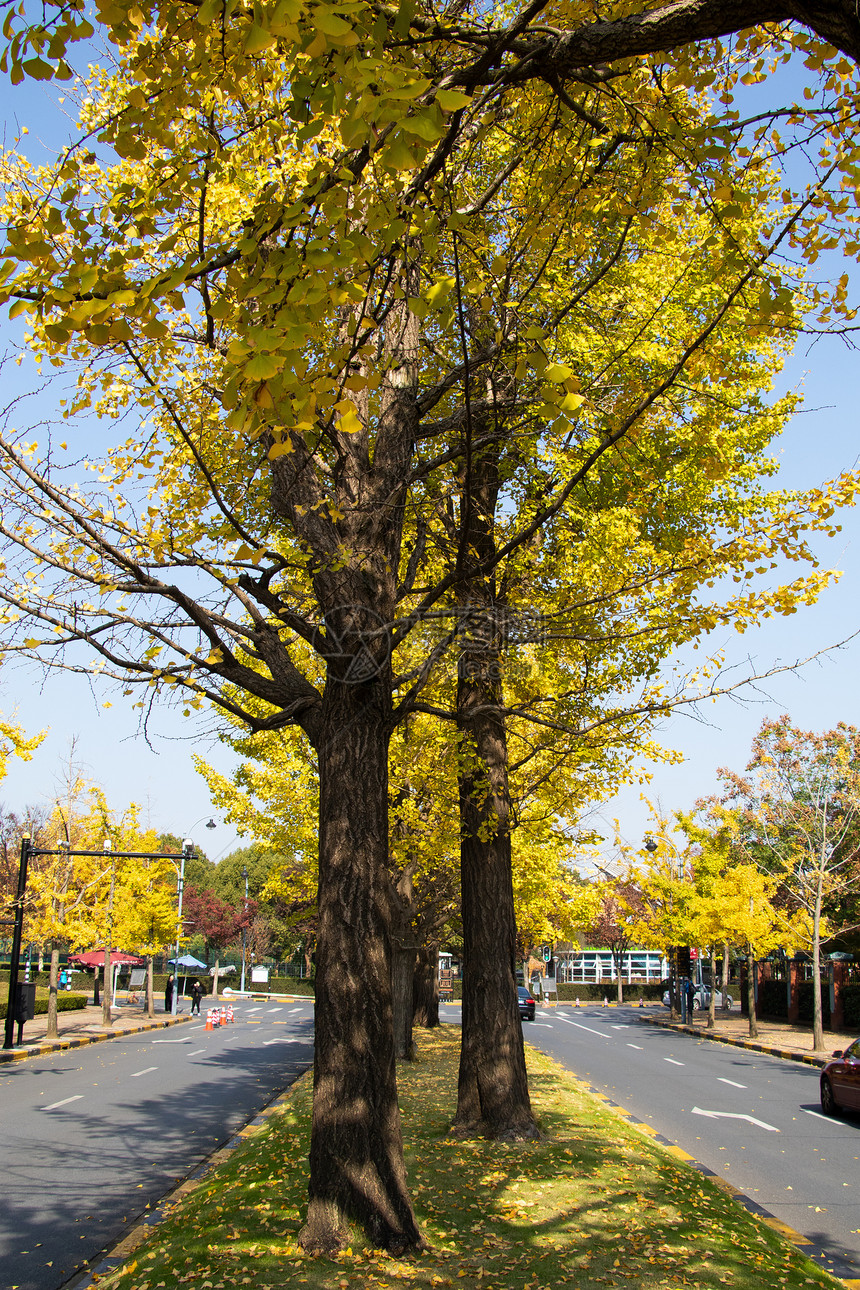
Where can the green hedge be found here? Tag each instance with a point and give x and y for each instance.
(773, 1000)
(66, 1002)
(851, 997)
(804, 999)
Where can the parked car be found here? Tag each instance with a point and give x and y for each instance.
(702, 997)
(527, 1003)
(840, 1081)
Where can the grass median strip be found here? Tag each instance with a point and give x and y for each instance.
(594, 1203)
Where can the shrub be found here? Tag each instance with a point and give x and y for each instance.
(773, 1000)
(851, 997)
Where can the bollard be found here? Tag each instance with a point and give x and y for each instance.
(230, 1016)
(641, 1002)
(577, 1001)
(605, 1002)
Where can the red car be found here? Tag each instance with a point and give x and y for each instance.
(840, 1081)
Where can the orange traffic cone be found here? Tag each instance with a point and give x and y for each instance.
(209, 1025)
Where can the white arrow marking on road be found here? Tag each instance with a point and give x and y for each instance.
(733, 1083)
(64, 1102)
(672, 1060)
(735, 1115)
(145, 1071)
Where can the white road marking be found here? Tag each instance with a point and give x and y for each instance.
(590, 1029)
(173, 1041)
(672, 1060)
(203, 1027)
(274, 1009)
(818, 1115)
(146, 1070)
(66, 1100)
(623, 1026)
(639, 1046)
(735, 1115)
(733, 1083)
(266, 1042)
(257, 1009)
(295, 1009)
(544, 1024)
(195, 1053)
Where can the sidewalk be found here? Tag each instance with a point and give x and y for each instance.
(84, 1026)
(779, 1038)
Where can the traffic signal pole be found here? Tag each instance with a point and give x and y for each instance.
(17, 935)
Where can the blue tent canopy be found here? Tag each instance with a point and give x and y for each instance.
(188, 963)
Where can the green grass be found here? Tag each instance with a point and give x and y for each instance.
(593, 1204)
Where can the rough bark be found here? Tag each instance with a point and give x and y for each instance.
(492, 1093)
(425, 987)
(590, 46)
(725, 981)
(150, 993)
(403, 953)
(712, 1001)
(753, 1021)
(52, 1031)
(356, 1156)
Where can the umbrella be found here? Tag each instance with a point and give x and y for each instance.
(96, 958)
(189, 965)
(188, 961)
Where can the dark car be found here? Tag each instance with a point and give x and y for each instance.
(527, 1004)
(840, 1081)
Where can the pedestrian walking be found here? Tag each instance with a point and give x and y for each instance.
(196, 996)
(168, 994)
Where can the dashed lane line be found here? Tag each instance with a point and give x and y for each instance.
(65, 1102)
(147, 1070)
(674, 1063)
(733, 1082)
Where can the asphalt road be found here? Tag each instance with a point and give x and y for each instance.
(754, 1120)
(89, 1137)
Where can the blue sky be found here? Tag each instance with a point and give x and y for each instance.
(820, 442)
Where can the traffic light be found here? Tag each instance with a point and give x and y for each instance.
(547, 953)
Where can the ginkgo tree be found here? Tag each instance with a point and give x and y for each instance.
(325, 278)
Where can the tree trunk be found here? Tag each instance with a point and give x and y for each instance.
(402, 975)
(619, 980)
(53, 1031)
(817, 1022)
(96, 986)
(726, 966)
(753, 1022)
(357, 1171)
(425, 987)
(107, 1016)
(492, 1092)
(712, 1000)
(150, 993)
(215, 979)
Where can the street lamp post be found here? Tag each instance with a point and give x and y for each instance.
(187, 852)
(675, 950)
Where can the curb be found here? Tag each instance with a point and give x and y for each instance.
(113, 1257)
(44, 1047)
(817, 1253)
(753, 1045)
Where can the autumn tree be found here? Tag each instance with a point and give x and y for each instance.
(219, 923)
(798, 804)
(328, 265)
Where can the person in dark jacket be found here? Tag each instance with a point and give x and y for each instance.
(196, 996)
(168, 994)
